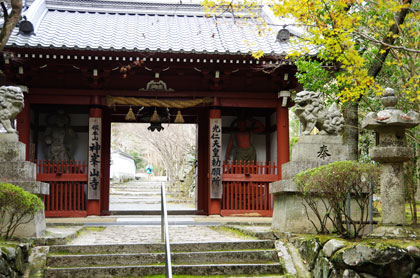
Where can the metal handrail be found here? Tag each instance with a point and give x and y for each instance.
(165, 233)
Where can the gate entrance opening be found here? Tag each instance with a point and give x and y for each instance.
(142, 160)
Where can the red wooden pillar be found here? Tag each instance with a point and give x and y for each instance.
(214, 204)
(106, 160)
(94, 206)
(282, 119)
(23, 127)
(203, 192)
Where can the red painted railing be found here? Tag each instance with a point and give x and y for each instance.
(246, 188)
(68, 187)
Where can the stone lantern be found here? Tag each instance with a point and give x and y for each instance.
(391, 151)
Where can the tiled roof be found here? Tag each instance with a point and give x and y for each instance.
(140, 27)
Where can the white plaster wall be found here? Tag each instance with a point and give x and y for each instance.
(81, 142)
(257, 139)
(273, 150)
(273, 140)
(122, 166)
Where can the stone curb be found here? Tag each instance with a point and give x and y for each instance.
(58, 237)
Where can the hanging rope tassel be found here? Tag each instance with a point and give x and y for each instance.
(179, 118)
(130, 115)
(155, 117)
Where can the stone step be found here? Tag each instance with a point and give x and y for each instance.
(143, 200)
(208, 257)
(139, 270)
(134, 193)
(135, 186)
(158, 247)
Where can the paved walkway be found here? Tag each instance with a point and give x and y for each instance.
(146, 229)
(152, 234)
(155, 220)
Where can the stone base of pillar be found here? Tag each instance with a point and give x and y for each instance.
(15, 170)
(290, 214)
(311, 151)
(34, 228)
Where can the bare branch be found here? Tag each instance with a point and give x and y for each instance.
(387, 44)
(5, 13)
(376, 67)
(10, 22)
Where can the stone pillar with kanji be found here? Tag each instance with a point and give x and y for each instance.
(215, 162)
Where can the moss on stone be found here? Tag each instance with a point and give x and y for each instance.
(231, 231)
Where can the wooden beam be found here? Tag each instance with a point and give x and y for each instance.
(249, 178)
(154, 94)
(57, 99)
(237, 212)
(66, 213)
(249, 103)
(62, 177)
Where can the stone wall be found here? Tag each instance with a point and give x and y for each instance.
(13, 259)
(334, 258)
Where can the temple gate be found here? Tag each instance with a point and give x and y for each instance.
(153, 57)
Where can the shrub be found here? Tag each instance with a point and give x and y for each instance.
(329, 186)
(17, 207)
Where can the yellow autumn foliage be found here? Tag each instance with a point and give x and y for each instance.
(340, 29)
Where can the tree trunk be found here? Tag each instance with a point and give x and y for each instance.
(10, 21)
(351, 128)
(418, 174)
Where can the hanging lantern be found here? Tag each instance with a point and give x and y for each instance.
(155, 117)
(179, 118)
(130, 115)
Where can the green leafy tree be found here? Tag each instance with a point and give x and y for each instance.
(138, 158)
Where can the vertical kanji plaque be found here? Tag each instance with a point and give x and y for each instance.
(94, 167)
(216, 187)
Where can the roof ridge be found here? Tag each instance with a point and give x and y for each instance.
(121, 6)
(131, 7)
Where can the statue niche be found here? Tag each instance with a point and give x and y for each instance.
(240, 141)
(59, 137)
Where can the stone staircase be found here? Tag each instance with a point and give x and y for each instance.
(144, 196)
(230, 259)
